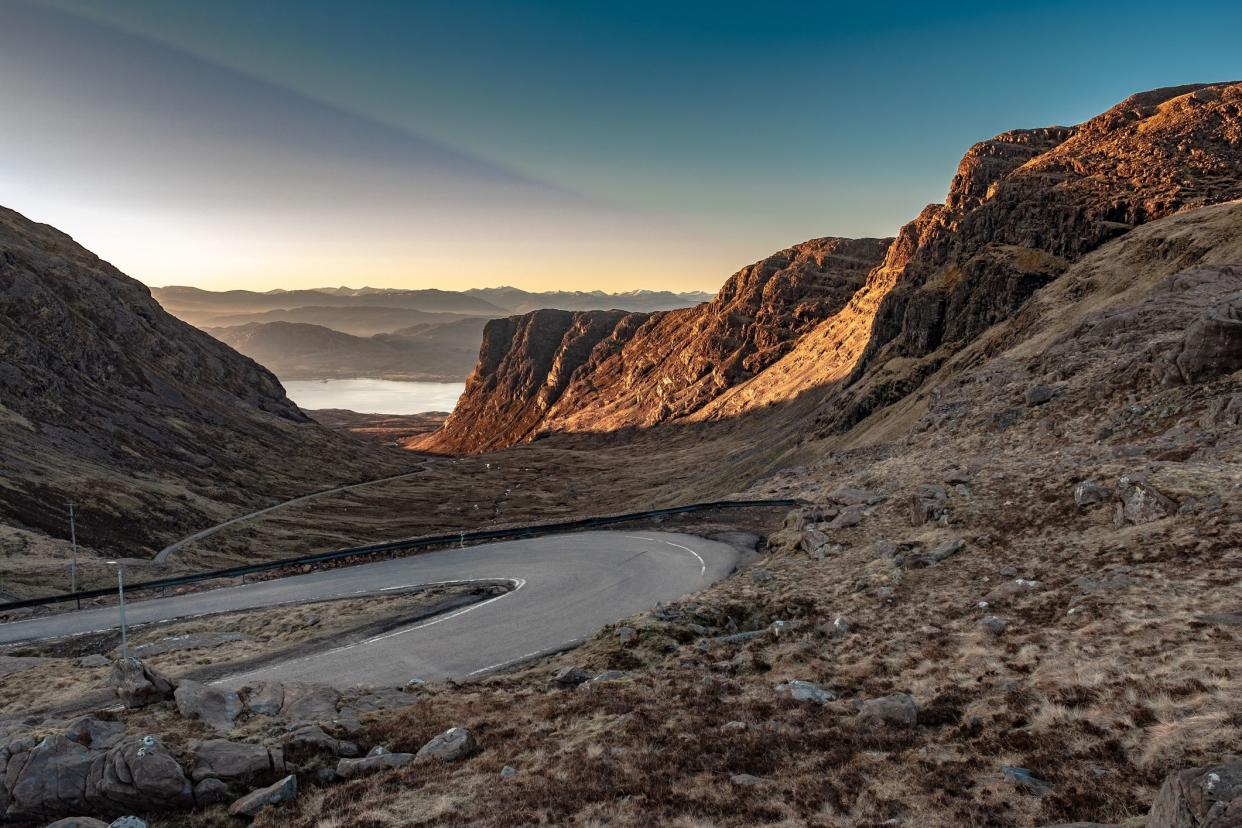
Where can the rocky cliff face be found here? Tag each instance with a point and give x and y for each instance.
(639, 369)
(144, 421)
(1021, 209)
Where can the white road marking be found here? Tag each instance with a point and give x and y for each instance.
(518, 583)
(523, 658)
(702, 563)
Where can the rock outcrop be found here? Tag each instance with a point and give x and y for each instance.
(1022, 209)
(607, 369)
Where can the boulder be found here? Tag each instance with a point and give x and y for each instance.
(856, 497)
(927, 503)
(311, 740)
(744, 780)
(94, 734)
(994, 625)
(52, 781)
(309, 702)
(231, 761)
(569, 677)
(1212, 344)
(142, 774)
(349, 768)
(802, 691)
(1088, 493)
(849, 516)
(127, 822)
(1139, 502)
(628, 635)
(138, 685)
(943, 551)
(1206, 797)
(897, 710)
(265, 699)
(1039, 394)
(249, 805)
(451, 745)
(211, 791)
(812, 540)
(1023, 778)
(215, 707)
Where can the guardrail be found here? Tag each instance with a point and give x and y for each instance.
(394, 546)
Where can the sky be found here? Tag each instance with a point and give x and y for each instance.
(548, 145)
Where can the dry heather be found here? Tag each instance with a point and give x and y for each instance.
(1112, 652)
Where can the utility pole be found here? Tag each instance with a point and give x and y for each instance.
(73, 564)
(120, 589)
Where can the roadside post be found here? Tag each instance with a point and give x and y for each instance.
(120, 591)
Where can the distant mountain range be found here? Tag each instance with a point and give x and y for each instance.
(428, 334)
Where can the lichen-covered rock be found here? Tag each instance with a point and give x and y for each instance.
(799, 690)
(139, 774)
(215, 707)
(349, 768)
(451, 745)
(1138, 501)
(249, 805)
(138, 685)
(897, 710)
(1207, 797)
(232, 761)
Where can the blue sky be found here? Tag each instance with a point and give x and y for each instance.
(550, 145)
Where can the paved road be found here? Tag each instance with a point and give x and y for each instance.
(565, 588)
(165, 553)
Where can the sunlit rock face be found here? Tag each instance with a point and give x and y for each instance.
(836, 313)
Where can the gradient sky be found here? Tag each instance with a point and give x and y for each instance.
(570, 145)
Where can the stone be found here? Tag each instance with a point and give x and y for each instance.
(94, 660)
(897, 710)
(993, 624)
(745, 780)
(812, 540)
(734, 725)
(451, 745)
(309, 702)
(265, 699)
(849, 516)
(956, 477)
(141, 773)
(94, 734)
(1009, 589)
(53, 781)
(569, 677)
(606, 677)
(308, 741)
(138, 685)
(127, 822)
(1212, 344)
(231, 761)
(799, 690)
(1139, 502)
(1023, 778)
(215, 707)
(1204, 797)
(349, 768)
(249, 805)
(943, 551)
(927, 504)
(627, 635)
(856, 497)
(1088, 493)
(507, 772)
(78, 822)
(211, 791)
(1039, 394)
(760, 576)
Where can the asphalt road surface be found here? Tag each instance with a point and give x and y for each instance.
(565, 588)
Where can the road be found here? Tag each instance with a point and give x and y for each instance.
(565, 588)
(167, 552)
